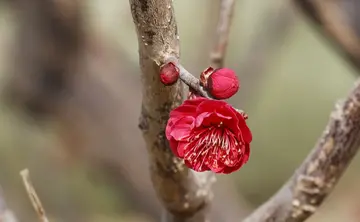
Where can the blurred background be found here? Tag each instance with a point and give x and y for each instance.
(70, 102)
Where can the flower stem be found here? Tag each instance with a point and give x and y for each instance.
(189, 79)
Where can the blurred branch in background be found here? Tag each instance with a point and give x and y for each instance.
(338, 21)
(227, 200)
(275, 23)
(94, 125)
(351, 10)
(313, 181)
(217, 55)
(50, 37)
(6, 215)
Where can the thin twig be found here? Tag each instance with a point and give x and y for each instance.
(188, 78)
(193, 82)
(222, 33)
(35, 201)
(313, 181)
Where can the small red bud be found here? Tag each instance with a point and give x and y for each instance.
(169, 74)
(220, 83)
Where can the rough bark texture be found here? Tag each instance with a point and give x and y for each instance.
(334, 21)
(226, 12)
(301, 196)
(182, 191)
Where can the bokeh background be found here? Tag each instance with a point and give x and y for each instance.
(77, 131)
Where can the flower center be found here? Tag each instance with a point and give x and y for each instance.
(214, 147)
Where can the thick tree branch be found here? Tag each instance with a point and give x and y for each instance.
(333, 24)
(6, 215)
(217, 55)
(300, 197)
(183, 192)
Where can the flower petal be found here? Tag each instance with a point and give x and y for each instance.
(234, 123)
(211, 120)
(173, 146)
(228, 170)
(195, 102)
(224, 113)
(181, 148)
(246, 134)
(215, 165)
(246, 154)
(209, 105)
(183, 110)
(200, 118)
(169, 126)
(243, 160)
(188, 108)
(222, 116)
(182, 128)
(197, 166)
(214, 119)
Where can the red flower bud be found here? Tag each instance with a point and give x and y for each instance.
(169, 74)
(221, 83)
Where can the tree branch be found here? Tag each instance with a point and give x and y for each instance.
(222, 33)
(300, 197)
(35, 201)
(183, 192)
(332, 23)
(188, 78)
